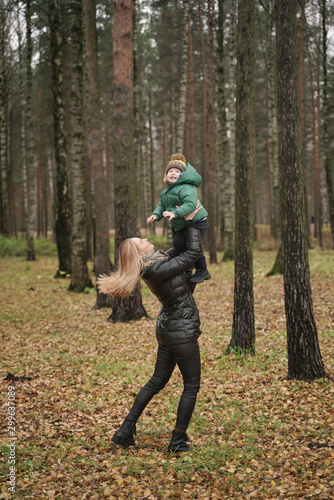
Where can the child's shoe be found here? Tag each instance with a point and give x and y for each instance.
(200, 276)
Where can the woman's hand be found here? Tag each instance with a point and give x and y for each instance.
(170, 215)
(197, 209)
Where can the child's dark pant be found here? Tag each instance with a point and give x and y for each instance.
(180, 241)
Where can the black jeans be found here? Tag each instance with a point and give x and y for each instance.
(188, 359)
(180, 241)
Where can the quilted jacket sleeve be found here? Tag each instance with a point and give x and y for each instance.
(158, 211)
(188, 195)
(177, 265)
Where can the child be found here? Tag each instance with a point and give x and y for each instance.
(180, 199)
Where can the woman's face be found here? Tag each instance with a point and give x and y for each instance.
(143, 245)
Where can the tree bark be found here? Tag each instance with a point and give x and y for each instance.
(189, 149)
(23, 122)
(243, 329)
(182, 84)
(316, 173)
(4, 180)
(31, 163)
(102, 241)
(304, 358)
(223, 142)
(203, 116)
(211, 146)
(325, 118)
(80, 278)
(229, 168)
(62, 199)
(124, 309)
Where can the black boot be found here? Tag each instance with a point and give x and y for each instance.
(124, 435)
(179, 442)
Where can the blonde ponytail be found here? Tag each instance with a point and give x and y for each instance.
(123, 281)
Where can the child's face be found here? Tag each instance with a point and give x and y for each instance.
(172, 175)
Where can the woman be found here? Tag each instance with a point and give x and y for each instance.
(177, 328)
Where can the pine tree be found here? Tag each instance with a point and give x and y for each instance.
(304, 358)
(243, 329)
(79, 271)
(131, 307)
(102, 241)
(62, 200)
(30, 151)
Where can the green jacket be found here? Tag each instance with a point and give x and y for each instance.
(183, 193)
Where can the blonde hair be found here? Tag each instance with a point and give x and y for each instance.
(124, 280)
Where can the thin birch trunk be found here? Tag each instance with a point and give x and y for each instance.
(189, 149)
(325, 118)
(302, 110)
(211, 146)
(23, 123)
(227, 230)
(31, 162)
(229, 167)
(204, 96)
(136, 113)
(272, 109)
(182, 83)
(4, 182)
(316, 174)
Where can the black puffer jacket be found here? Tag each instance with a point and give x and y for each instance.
(178, 320)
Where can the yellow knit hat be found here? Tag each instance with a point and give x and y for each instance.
(177, 161)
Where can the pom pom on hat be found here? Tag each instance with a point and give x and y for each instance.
(177, 161)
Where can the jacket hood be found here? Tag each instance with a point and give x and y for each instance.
(189, 176)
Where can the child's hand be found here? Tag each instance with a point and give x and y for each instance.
(151, 218)
(171, 215)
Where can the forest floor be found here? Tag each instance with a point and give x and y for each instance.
(254, 434)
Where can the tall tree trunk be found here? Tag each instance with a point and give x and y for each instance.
(182, 87)
(316, 166)
(131, 307)
(243, 329)
(223, 143)
(138, 168)
(23, 124)
(151, 149)
(89, 187)
(323, 194)
(203, 115)
(211, 146)
(189, 149)
(4, 179)
(302, 111)
(31, 163)
(62, 198)
(273, 146)
(304, 358)
(272, 109)
(102, 241)
(229, 168)
(325, 118)
(80, 278)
